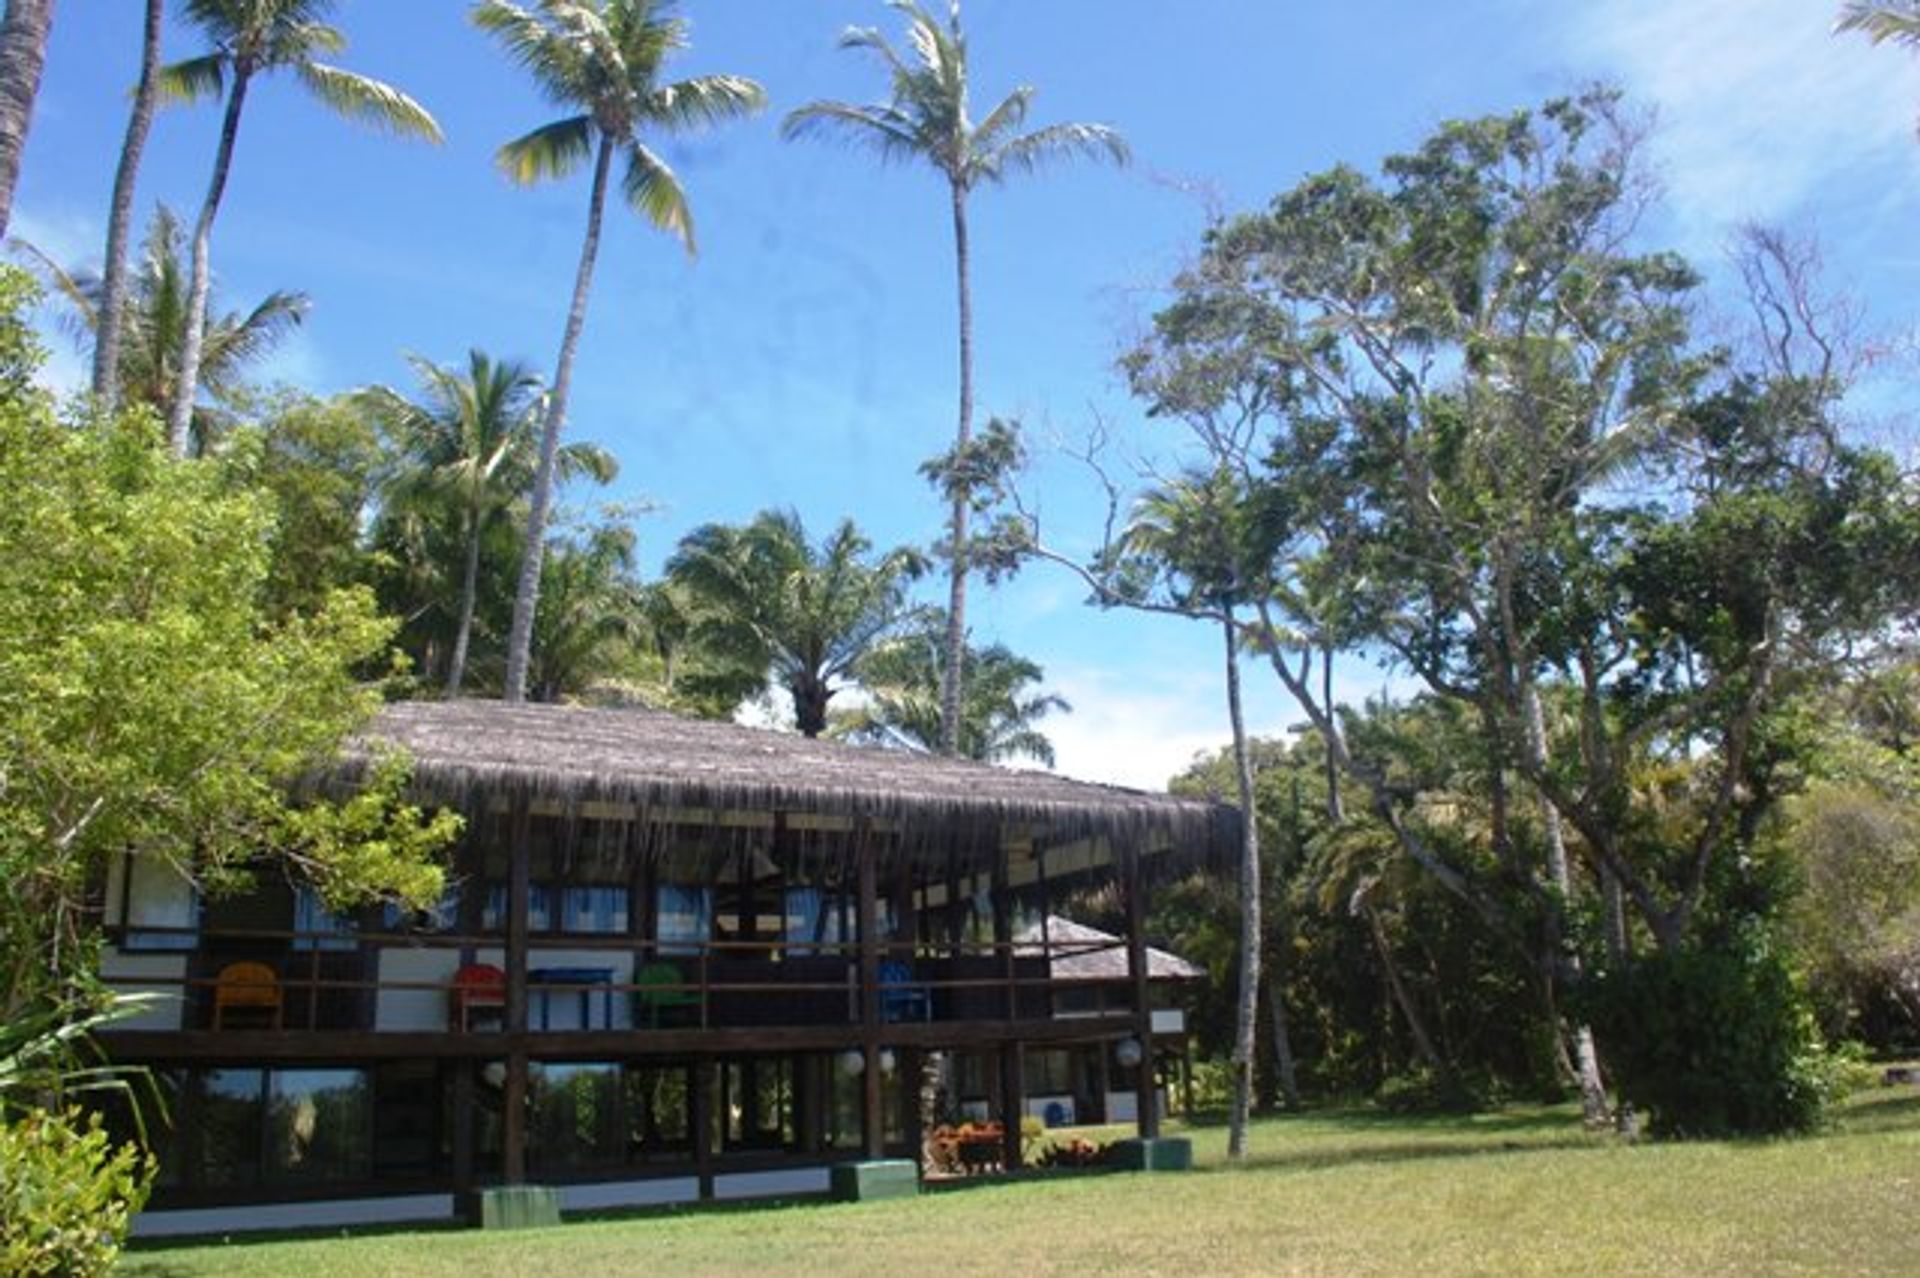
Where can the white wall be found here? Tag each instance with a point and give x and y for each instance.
(124, 972)
(317, 1215)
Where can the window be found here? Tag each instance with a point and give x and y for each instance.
(228, 1127)
(659, 1111)
(316, 927)
(576, 1116)
(685, 918)
(159, 897)
(319, 1126)
(599, 910)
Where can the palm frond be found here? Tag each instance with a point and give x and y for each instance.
(653, 191)
(1891, 21)
(194, 79)
(703, 101)
(368, 101)
(559, 65)
(1009, 115)
(1031, 151)
(550, 151)
(884, 128)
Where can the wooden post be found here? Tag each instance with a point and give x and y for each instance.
(872, 1126)
(519, 897)
(702, 1107)
(1013, 1099)
(1003, 929)
(1147, 1103)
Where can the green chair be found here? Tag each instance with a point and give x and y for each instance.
(658, 988)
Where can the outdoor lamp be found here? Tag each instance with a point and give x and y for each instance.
(494, 1073)
(1127, 1051)
(853, 1062)
(886, 1060)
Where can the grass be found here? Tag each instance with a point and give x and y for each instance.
(1521, 1191)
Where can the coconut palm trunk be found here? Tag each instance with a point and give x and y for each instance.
(187, 385)
(113, 280)
(469, 590)
(526, 597)
(23, 55)
(1247, 997)
(953, 673)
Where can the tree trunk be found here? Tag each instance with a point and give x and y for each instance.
(187, 386)
(1593, 1090)
(1422, 1041)
(1282, 1040)
(1336, 811)
(953, 675)
(113, 279)
(810, 697)
(23, 55)
(1248, 995)
(469, 589)
(527, 596)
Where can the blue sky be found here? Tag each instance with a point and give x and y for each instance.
(807, 357)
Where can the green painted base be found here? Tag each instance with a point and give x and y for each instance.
(1168, 1153)
(880, 1178)
(518, 1207)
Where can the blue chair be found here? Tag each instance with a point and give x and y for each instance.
(900, 998)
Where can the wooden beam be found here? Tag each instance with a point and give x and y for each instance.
(519, 899)
(872, 1128)
(1013, 1099)
(1148, 1118)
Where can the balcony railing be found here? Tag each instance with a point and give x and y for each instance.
(423, 981)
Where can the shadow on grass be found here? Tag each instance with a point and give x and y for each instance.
(1881, 1111)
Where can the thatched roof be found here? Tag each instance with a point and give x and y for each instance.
(465, 752)
(1093, 955)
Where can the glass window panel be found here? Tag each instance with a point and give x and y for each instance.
(659, 1111)
(601, 910)
(318, 927)
(685, 918)
(805, 920)
(228, 1127)
(576, 1119)
(406, 1101)
(158, 896)
(539, 908)
(319, 1126)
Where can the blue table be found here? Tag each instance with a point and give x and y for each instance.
(590, 980)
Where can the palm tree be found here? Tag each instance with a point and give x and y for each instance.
(24, 31)
(603, 57)
(106, 346)
(470, 449)
(1889, 21)
(926, 118)
(999, 716)
(253, 38)
(592, 613)
(790, 612)
(153, 326)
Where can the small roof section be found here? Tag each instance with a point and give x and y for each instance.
(463, 750)
(1099, 964)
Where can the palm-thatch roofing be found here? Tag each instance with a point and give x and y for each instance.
(468, 752)
(1082, 953)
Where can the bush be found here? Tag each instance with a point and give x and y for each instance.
(1713, 1042)
(1426, 1091)
(67, 1194)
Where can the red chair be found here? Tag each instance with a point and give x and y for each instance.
(477, 986)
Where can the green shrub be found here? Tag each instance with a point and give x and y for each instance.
(1713, 1042)
(67, 1194)
(1427, 1091)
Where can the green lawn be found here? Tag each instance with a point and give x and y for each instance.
(1519, 1192)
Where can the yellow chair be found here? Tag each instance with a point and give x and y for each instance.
(247, 986)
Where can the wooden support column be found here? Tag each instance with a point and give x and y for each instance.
(1147, 1101)
(872, 1123)
(519, 899)
(1003, 930)
(702, 1116)
(1013, 1099)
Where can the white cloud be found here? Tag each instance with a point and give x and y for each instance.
(1760, 106)
(1126, 732)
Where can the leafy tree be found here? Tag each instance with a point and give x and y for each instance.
(592, 621)
(113, 275)
(468, 451)
(253, 38)
(783, 610)
(152, 708)
(153, 331)
(603, 58)
(24, 30)
(926, 118)
(999, 717)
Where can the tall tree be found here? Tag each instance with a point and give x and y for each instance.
(926, 118)
(999, 715)
(113, 276)
(603, 58)
(788, 611)
(153, 326)
(253, 38)
(24, 31)
(469, 446)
